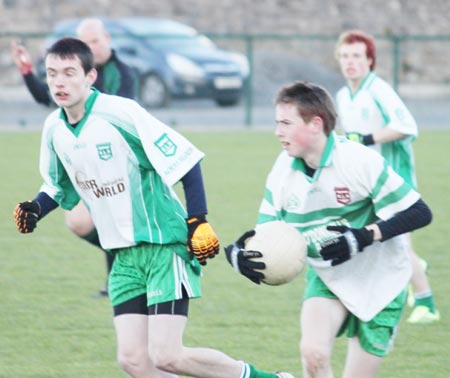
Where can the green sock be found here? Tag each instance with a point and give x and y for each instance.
(426, 300)
(255, 373)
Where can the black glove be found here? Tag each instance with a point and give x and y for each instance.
(26, 215)
(241, 259)
(342, 247)
(202, 241)
(367, 139)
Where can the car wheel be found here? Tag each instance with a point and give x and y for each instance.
(153, 92)
(227, 101)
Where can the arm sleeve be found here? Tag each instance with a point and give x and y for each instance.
(38, 89)
(46, 203)
(169, 152)
(194, 192)
(393, 110)
(57, 184)
(417, 216)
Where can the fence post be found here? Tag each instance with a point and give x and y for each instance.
(249, 83)
(396, 65)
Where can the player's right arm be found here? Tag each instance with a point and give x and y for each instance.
(36, 87)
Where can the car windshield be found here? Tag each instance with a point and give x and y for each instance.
(165, 34)
(171, 42)
(155, 27)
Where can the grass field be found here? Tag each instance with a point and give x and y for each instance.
(50, 326)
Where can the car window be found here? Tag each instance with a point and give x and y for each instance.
(145, 27)
(182, 43)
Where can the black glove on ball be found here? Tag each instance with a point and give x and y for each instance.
(241, 259)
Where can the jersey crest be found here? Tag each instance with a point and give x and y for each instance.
(292, 203)
(104, 151)
(166, 145)
(342, 195)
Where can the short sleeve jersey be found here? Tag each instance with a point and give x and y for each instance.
(373, 106)
(353, 186)
(122, 163)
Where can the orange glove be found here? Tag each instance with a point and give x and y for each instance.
(202, 240)
(26, 214)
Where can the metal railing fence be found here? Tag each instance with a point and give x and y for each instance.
(402, 59)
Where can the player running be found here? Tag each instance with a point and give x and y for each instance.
(351, 207)
(372, 113)
(108, 152)
(113, 77)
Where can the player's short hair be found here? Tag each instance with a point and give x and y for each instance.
(354, 36)
(311, 101)
(68, 48)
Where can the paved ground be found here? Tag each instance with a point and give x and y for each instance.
(20, 112)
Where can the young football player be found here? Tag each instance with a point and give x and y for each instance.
(113, 77)
(353, 210)
(110, 153)
(371, 113)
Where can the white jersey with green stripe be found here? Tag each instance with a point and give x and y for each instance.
(353, 186)
(373, 106)
(122, 163)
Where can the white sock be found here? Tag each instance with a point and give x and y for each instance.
(423, 294)
(245, 373)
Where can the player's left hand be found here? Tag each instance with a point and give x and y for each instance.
(367, 139)
(241, 259)
(202, 241)
(26, 214)
(342, 247)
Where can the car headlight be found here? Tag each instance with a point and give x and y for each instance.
(185, 67)
(242, 62)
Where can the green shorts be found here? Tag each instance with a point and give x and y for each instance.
(375, 336)
(155, 270)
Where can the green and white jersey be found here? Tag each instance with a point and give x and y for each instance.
(353, 186)
(122, 163)
(375, 105)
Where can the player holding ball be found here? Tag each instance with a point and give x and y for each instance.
(352, 208)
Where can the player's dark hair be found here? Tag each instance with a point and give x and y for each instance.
(311, 101)
(354, 36)
(68, 48)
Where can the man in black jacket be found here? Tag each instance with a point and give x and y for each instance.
(113, 77)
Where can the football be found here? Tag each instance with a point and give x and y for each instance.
(283, 248)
